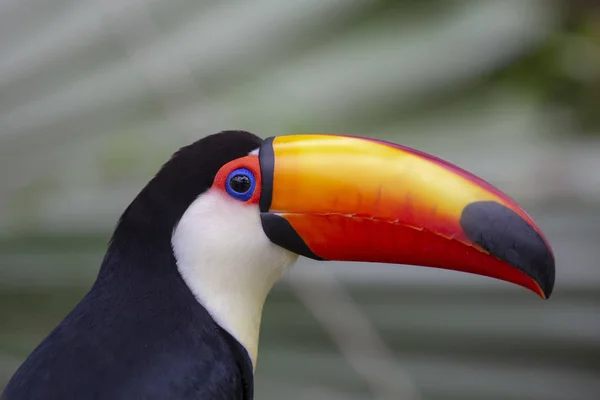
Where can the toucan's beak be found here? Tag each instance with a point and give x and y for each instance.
(353, 199)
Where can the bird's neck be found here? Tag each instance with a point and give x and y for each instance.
(229, 264)
(140, 293)
(217, 249)
(235, 303)
(234, 299)
(232, 288)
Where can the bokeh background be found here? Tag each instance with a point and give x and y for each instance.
(96, 94)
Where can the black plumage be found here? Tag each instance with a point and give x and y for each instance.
(140, 333)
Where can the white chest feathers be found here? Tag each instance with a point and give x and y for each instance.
(228, 263)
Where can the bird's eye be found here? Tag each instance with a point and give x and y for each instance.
(241, 184)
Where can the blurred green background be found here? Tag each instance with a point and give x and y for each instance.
(96, 94)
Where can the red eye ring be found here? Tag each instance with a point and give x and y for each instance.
(250, 163)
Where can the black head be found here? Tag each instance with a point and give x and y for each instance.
(191, 170)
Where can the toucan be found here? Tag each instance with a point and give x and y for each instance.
(175, 310)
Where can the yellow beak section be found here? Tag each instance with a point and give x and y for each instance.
(354, 199)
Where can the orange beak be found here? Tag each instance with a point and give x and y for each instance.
(354, 199)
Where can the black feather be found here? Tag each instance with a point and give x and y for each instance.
(140, 333)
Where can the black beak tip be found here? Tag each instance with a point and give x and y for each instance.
(503, 233)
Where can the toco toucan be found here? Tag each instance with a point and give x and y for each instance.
(176, 308)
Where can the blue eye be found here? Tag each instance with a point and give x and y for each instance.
(240, 184)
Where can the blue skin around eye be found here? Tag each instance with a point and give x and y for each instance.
(241, 196)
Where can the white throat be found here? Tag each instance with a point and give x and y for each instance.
(228, 263)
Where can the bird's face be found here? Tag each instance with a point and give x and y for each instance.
(349, 199)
